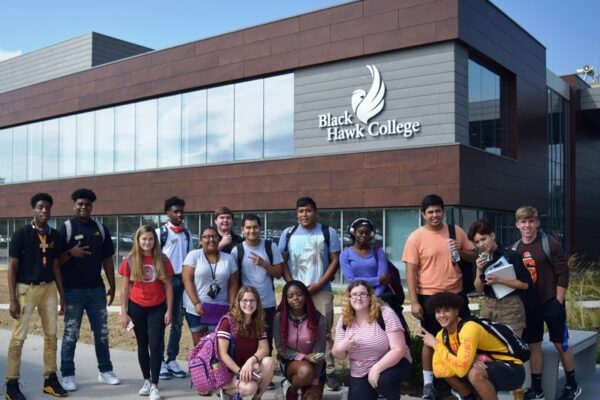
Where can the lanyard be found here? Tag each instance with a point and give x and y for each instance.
(213, 270)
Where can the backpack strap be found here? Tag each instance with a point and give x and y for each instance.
(163, 235)
(446, 336)
(188, 237)
(269, 250)
(545, 246)
(288, 235)
(101, 229)
(326, 236)
(452, 231)
(240, 257)
(69, 231)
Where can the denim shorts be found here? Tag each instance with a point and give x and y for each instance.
(195, 323)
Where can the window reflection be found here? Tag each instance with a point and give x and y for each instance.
(105, 140)
(85, 143)
(68, 140)
(124, 137)
(146, 134)
(398, 226)
(6, 154)
(127, 227)
(249, 120)
(51, 148)
(220, 124)
(169, 131)
(279, 116)
(20, 153)
(34, 151)
(193, 129)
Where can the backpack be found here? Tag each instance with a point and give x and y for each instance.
(516, 346)
(164, 233)
(291, 230)
(545, 248)
(468, 274)
(69, 230)
(240, 257)
(207, 372)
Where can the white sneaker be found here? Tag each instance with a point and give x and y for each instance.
(175, 369)
(145, 390)
(68, 383)
(164, 372)
(154, 393)
(108, 377)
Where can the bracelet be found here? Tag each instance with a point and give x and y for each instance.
(257, 360)
(195, 304)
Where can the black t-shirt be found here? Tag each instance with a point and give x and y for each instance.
(85, 272)
(27, 247)
(235, 239)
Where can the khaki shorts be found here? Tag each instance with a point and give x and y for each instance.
(508, 310)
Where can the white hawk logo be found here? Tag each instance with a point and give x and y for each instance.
(368, 105)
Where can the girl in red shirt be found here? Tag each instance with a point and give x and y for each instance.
(146, 303)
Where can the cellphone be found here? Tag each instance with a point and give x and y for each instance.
(130, 326)
(318, 356)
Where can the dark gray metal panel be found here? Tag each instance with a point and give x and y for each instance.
(420, 86)
(590, 99)
(107, 49)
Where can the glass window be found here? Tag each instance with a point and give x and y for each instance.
(279, 116)
(104, 142)
(127, 227)
(85, 143)
(51, 148)
(376, 216)
(192, 222)
(146, 134)
(124, 137)
(111, 224)
(68, 139)
(4, 239)
(20, 153)
(487, 128)
(399, 224)
(151, 220)
(249, 120)
(277, 221)
(169, 131)
(220, 124)
(34, 151)
(6, 155)
(194, 127)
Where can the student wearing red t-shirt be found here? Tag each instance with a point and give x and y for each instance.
(146, 302)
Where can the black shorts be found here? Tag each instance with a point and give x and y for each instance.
(505, 376)
(553, 314)
(429, 323)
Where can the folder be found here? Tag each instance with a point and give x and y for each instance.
(504, 271)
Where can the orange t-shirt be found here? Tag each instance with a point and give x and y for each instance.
(428, 250)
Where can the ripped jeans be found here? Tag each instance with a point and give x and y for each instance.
(93, 302)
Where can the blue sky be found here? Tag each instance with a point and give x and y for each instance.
(565, 27)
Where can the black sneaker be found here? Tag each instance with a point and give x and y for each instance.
(332, 383)
(571, 393)
(13, 392)
(53, 387)
(531, 394)
(429, 392)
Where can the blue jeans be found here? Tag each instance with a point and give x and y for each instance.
(93, 302)
(176, 319)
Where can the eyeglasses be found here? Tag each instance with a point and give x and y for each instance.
(358, 295)
(210, 237)
(248, 301)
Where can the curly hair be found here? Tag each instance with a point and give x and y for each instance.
(83, 194)
(41, 197)
(444, 300)
(348, 314)
(174, 201)
(257, 324)
(309, 309)
(135, 256)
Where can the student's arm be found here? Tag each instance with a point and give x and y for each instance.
(392, 357)
(479, 264)
(460, 364)
(187, 277)
(169, 294)
(13, 270)
(411, 285)
(124, 271)
(334, 259)
(109, 270)
(59, 286)
(223, 347)
(285, 269)
(561, 269)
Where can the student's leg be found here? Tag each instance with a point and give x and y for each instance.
(156, 339)
(300, 373)
(72, 325)
(361, 389)
(47, 300)
(98, 316)
(324, 304)
(176, 319)
(501, 376)
(19, 333)
(266, 370)
(389, 381)
(478, 377)
(556, 319)
(140, 327)
(460, 386)
(269, 316)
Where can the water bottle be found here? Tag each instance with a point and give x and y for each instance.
(454, 253)
(344, 393)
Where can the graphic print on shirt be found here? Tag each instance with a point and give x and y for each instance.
(149, 273)
(305, 254)
(529, 263)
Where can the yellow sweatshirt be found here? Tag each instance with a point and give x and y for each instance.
(474, 340)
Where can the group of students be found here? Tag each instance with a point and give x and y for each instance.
(165, 280)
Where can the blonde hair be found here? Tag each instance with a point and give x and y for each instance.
(136, 264)
(257, 324)
(348, 313)
(526, 212)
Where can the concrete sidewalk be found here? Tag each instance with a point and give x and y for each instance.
(127, 368)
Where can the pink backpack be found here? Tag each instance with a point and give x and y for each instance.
(207, 372)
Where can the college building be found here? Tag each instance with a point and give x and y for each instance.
(366, 106)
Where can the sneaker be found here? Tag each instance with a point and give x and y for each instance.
(145, 390)
(224, 396)
(174, 369)
(108, 377)
(271, 386)
(429, 392)
(531, 394)
(68, 383)
(332, 383)
(164, 372)
(13, 392)
(570, 393)
(53, 387)
(154, 393)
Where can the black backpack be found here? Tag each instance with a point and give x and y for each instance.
(468, 273)
(290, 232)
(516, 346)
(240, 257)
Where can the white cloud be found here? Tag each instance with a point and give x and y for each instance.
(6, 54)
